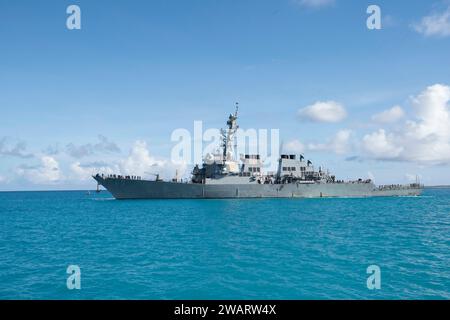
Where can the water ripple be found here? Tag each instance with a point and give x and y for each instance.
(223, 249)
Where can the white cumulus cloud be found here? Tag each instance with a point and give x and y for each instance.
(103, 146)
(339, 144)
(425, 139)
(436, 24)
(141, 162)
(389, 116)
(83, 172)
(294, 146)
(412, 177)
(328, 111)
(381, 145)
(47, 172)
(16, 150)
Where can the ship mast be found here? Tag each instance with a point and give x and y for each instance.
(229, 137)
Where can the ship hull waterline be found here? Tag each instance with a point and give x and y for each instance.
(147, 189)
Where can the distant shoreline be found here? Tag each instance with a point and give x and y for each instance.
(438, 187)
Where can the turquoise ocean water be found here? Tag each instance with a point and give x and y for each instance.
(220, 249)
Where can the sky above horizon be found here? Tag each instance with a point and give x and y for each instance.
(363, 103)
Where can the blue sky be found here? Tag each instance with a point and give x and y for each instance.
(137, 70)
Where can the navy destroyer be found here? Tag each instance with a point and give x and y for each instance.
(222, 176)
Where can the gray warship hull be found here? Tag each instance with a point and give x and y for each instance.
(147, 189)
(223, 176)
